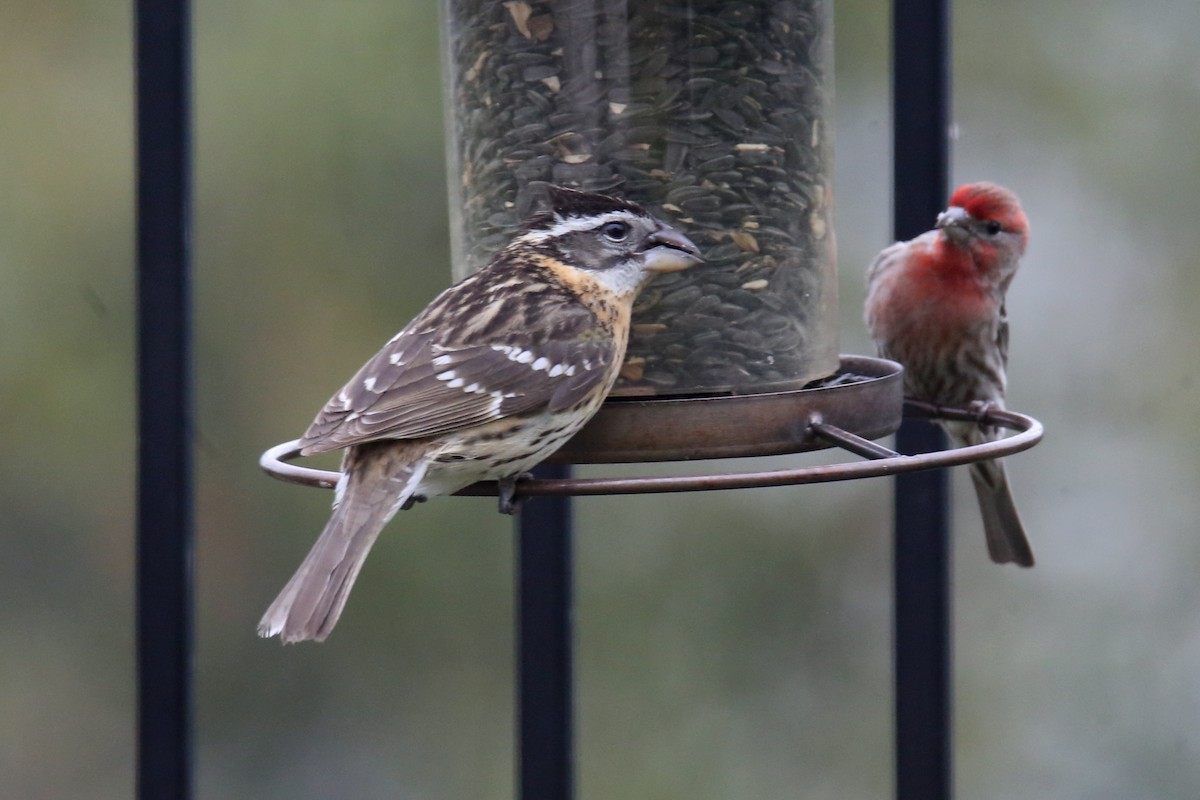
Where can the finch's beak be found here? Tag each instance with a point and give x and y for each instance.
(668, 250)
(955, 221)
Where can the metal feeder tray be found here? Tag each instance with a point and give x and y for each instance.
(841, 415)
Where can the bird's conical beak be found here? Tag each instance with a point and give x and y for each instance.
(955, 221)
(668, 250)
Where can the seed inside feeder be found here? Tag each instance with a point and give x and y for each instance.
(709, 114)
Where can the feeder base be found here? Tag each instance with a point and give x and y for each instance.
(865, 397)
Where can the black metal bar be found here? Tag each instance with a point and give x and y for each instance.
(164, 398)
(545, 718)
(923, 659)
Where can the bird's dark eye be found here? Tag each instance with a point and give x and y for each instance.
(616, 231)
(993, 227)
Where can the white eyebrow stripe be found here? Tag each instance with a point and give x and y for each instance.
(563, 226)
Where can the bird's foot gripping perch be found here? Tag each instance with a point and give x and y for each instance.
(509, 503)
(982, 408)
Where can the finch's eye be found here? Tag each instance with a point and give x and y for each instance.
(993, 228)
(616, 231)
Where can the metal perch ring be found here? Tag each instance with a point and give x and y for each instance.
(881, 461)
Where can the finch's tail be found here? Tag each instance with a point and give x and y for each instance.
(1006, 540)
(379, 479)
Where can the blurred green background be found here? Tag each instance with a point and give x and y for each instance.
(731, 645)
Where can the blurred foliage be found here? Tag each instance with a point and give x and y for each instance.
(730, 644)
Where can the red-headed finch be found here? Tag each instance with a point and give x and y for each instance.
(936, 305)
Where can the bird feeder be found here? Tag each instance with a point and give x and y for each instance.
(712, 115)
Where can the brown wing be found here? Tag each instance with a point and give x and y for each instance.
(447, 371)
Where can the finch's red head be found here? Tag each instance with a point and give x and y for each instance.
(986, 221)
(988, 203)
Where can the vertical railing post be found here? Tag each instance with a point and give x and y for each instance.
(164, 402)
(545, 704)
(921, 120)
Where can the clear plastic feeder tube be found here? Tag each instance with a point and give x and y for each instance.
(711, 114)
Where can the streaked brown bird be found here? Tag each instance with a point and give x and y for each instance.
(936, 305)
(496, 374)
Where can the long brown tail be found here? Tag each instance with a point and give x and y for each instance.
(379, 480)
(1006, 539)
